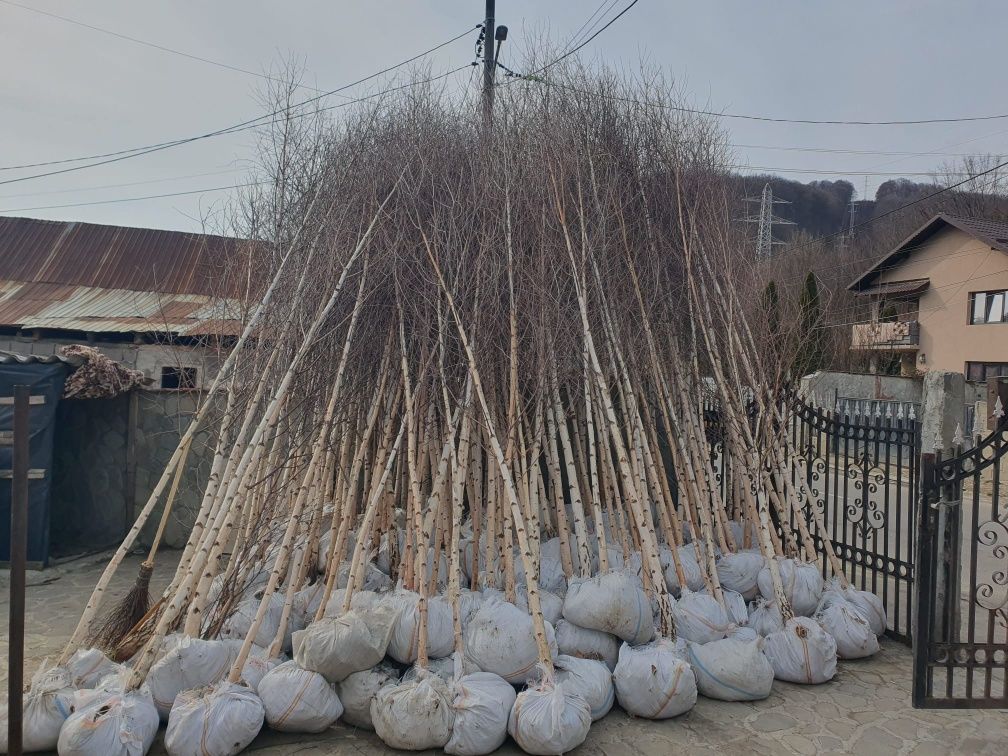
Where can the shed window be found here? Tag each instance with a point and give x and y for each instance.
(178, 377)
(988, 307)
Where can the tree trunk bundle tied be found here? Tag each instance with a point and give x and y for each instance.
(473, 435)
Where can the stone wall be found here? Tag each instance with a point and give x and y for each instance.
(162, 417)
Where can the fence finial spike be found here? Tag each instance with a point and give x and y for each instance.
(999, 411)
(899, 412)
(888, 411)
(978, 426)
(911, 413)
(957, 438)
(938, 445)
(878, 410)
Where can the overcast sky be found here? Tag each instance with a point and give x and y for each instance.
(68, 91)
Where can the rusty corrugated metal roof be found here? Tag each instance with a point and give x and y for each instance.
(116, 257)
(86, 308)
(89, 277)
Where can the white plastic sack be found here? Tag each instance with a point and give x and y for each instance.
(296, 700)
(443, 668)
(853, 635)
(611, 603)
(192, 663)
(45, 707)
(551, 574)
(88, 666)
(585, 643)
(735, 606)
(738, 534)
(700, 618)
(306, 603)
(732, 670)
(743, 633)
(217, 721)
(404, 644)
(240, 622)
(257, 664)
(802, 583)
(374, 578)
(482, 705)
(414, 715)
(694, 575)
(469, 604)
(339, 646)
(765, 617)
(549, 602)
(870, 605)
(548, 720)
(802, 652)
(654, 681)
(501, 640)
(358, 690)
(589, 679)
(740, 571)
(120, 724)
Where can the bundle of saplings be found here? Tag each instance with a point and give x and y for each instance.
(461, 485)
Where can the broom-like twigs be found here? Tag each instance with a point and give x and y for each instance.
(544, 314)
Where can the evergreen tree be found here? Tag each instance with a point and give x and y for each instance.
(811, 352)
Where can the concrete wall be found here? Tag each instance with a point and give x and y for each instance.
(825, 386)
(957, 264)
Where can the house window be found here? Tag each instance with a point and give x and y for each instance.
(178, 378)
(981, 371)
(988, 307)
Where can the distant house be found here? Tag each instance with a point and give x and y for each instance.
(939, 300)
(157, 301)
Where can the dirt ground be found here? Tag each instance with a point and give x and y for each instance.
(864, 710)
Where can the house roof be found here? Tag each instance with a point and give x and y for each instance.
(990, 232)
(90, 277)
(910, 286)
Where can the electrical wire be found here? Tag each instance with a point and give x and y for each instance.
(241, 126)
(134, 199)
(120, 186)
(154, 45)
(748, 117)
(573, 50)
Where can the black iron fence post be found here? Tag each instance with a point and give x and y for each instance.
(18, 557)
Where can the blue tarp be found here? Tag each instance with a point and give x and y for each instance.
(46, 379)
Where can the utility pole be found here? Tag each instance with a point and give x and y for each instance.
(489, 62)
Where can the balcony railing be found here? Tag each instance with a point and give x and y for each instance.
(898, 335)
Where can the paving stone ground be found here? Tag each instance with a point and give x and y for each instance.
(865, 710)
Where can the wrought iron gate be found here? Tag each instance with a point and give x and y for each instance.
(860, 465)
(961, 627)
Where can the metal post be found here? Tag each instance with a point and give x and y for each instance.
(489, 63)
(18, 556)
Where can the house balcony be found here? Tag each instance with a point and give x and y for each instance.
(897, 336)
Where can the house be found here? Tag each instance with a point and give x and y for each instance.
(157, 301)
(161, 302)
(939, 300)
